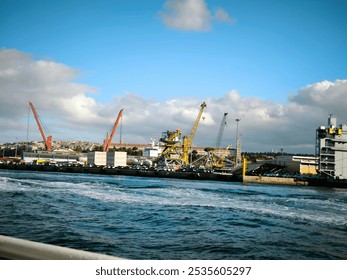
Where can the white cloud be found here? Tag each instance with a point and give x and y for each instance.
(192, 15)
(72, 114)
(187, 15)
(43, 82)
(221, 15)
(324, 94)
(48, 85)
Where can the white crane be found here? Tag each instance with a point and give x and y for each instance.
(221, 130)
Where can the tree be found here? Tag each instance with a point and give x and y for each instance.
(78, 149)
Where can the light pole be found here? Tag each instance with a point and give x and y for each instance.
(237, 128)
(15, 155)
(238, 144)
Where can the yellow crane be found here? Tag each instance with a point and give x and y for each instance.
(187, 140)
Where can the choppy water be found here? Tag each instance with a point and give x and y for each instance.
(154, 218)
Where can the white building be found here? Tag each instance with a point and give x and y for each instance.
(113, 159)
(296, 164)
(308, 165)
(41, 157)
(331, 149)
(97, 158)
(154, 151)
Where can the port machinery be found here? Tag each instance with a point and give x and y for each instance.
(216, 160)
(171, 140)
(213, 160)
(109, 136)
(47, 140)
(176, 151)
(188, 140)
(221, 130)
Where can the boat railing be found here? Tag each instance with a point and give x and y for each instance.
(21, 249)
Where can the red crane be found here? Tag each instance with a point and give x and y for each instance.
(48, 140)
(109, 138)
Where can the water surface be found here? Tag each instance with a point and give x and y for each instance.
(156, 218)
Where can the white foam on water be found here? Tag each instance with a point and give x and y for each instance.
(258, 205)
(188, 194)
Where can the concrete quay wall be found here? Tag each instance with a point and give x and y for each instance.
(274, 180)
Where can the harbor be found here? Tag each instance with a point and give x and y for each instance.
(174, 156)
(299, 180)
(173, 138)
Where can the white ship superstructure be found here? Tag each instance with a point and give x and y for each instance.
(331, 149)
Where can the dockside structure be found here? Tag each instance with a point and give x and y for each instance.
(331, 150)
(112, 159)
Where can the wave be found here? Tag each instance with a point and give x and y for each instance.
(314, 212)
(294, 204)
(170, 218)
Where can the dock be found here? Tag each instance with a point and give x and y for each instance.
(315, 181)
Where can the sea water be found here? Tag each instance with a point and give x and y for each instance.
(156, 218)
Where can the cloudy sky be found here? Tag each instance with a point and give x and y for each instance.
(279, 66)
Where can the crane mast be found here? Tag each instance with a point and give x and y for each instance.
(109, 138)
(187, 141)
(48, 140)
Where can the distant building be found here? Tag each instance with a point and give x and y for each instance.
(112, 159)
(308, 165)
(97, 158)
(331, 149)
(153, 151)
(140, 147)
(296, 164)
(115, 159)
(42, 157)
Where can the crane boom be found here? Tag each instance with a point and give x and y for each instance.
(221, 130)
(196, 123)
(108, 139)
(187, 141)
(48, 140)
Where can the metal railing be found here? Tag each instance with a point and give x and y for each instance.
(21, 249)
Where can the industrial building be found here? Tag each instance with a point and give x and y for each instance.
(115, 159)
(96, 158)
(112, 159)
(43, 157)
(308, 164)
(331, 149)
(296, 164)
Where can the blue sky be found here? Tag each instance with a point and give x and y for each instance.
(265, 49)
